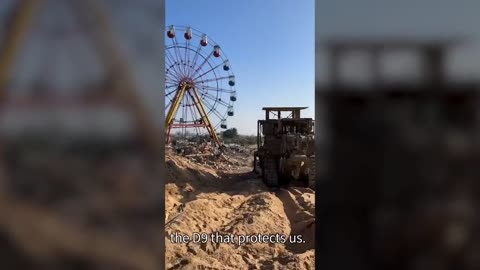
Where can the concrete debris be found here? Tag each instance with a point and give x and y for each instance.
(203, 153)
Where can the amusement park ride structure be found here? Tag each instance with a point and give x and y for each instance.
(196, 96)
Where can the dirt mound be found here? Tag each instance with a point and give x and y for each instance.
(239, 211)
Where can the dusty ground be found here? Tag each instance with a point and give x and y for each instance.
(231, 200)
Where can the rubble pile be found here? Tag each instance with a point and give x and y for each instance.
(227, 158)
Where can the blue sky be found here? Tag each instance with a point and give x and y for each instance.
(270, 45)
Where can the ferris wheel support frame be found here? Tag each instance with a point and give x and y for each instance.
(197, 101)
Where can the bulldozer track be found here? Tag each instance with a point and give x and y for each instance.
(300, 213)
(270, 172)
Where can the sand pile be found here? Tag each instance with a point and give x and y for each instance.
(235, 207)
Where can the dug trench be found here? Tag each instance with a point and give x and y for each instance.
(232, 200)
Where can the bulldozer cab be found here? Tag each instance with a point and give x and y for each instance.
(275, 125)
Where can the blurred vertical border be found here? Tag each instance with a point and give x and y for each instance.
(82, 173)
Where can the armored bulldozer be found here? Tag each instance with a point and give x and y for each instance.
(285, 147)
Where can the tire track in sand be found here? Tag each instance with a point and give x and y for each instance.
(299, 207)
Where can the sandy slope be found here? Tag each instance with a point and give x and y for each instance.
(235, 202)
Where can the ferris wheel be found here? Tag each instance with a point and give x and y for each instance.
(199, 83)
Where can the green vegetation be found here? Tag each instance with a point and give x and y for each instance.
(230, 133)
(231, 136)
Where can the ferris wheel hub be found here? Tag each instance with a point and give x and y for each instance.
(188, 82)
